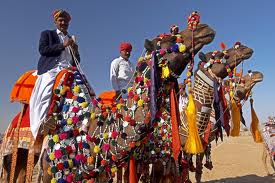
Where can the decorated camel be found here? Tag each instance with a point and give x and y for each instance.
(214, 67)
(241, 90)
(268, 139)
(121, 131)
(92, 138)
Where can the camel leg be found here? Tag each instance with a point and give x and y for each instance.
(46, 177)
(264, 158)
(272, 162)
(199, 158)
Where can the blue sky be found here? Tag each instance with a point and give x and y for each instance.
(101, 25)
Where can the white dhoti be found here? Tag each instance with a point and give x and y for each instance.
(40, 99)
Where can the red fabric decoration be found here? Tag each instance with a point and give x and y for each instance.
(125, 47)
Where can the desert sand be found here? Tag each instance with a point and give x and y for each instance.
(237, 160)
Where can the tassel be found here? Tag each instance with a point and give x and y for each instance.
(226, 113)
(132, 171)
(236, 119)
(193, 143)
(254, 128)
(175, 120)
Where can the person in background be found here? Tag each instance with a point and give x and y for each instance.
(121, 71)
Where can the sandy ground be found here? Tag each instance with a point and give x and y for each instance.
(237, 160)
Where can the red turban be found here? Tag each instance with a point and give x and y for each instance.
(61, 13)
(125, 47)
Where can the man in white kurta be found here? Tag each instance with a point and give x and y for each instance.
(42, 92)
(121, 72)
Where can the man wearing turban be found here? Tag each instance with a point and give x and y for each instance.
(121, 72)
(56, 48)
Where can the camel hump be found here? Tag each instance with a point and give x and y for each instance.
(22, 89)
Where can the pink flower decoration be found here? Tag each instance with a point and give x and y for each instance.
(162, 52)
(106, 147)
(69, 178)
(63, 135)
(88, 138)
(94, 102)
(78, 157)
(114, 134)
(131, 94)
(75, 109)
(58, 154)
(75, 119)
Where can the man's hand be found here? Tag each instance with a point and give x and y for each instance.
(68, 42)
(74, 47)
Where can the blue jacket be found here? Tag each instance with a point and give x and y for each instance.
(50, 49)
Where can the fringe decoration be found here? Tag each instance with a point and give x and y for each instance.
(176, 145)
(254, 127)
(132, 171)
(193, 143)
(15, 144)
(236, 119)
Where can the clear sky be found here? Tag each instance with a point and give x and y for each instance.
(101, 25)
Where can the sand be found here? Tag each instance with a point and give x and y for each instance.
(237, 160)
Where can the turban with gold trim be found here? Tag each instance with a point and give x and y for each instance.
(61, 13)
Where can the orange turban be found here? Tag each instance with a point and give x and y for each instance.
(61, 13)
(125, 47)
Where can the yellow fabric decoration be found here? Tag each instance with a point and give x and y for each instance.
(114, 169)
(53, 180)
(70, 162)
(140, 103)
(84, 104)
(182, 48)
(254, 127)
(69, 121)
(118, 106)
(97, 149)
(49, 170)
(193, 143)
(93, 116)
(52, 156)
(76, 89)
(55, 138)
(140, 59)
(236, 119)
(105, 135)
(165, 72)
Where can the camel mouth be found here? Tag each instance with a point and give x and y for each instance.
(209, 34)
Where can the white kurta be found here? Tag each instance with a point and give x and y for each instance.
(121, 73)
(42, 92)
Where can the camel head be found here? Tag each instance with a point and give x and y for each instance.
(222, 62)
(247, 83)
(178, 60)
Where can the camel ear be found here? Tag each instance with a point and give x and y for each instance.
(202, 56)
(148, 45)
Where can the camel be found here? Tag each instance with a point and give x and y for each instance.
(268, 144)
(121, 132)
(203, 89)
